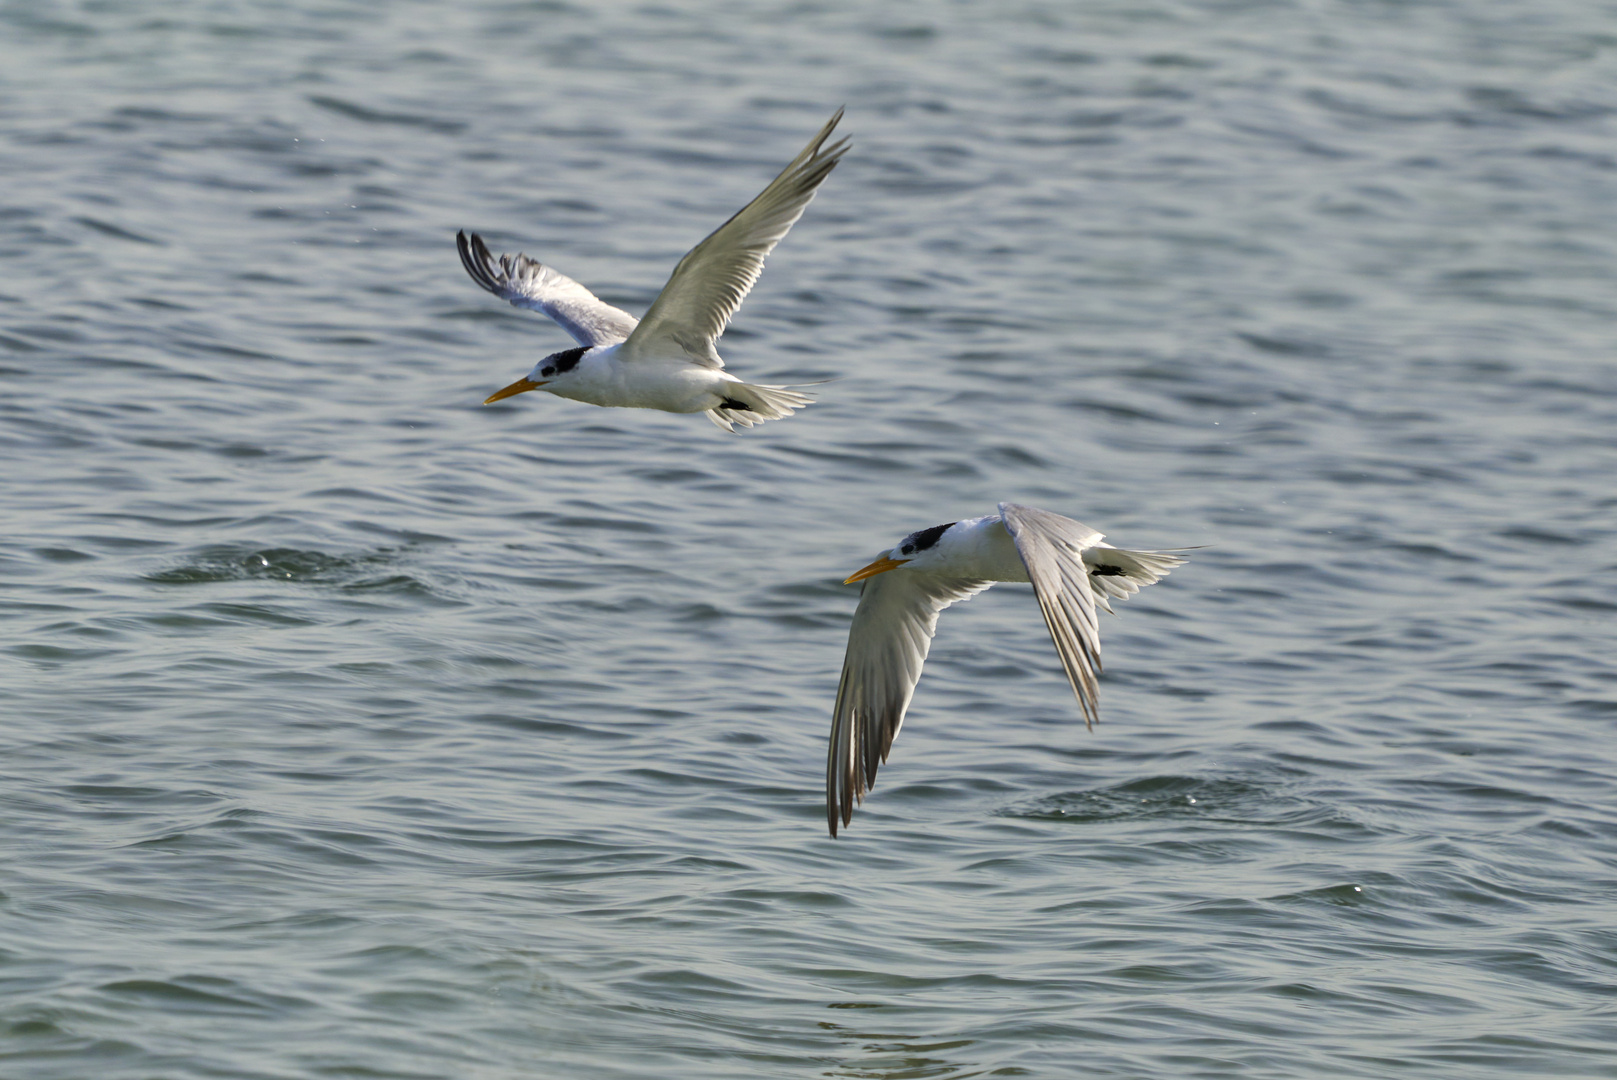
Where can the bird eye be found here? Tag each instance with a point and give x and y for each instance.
(907, 549)
(547, 371)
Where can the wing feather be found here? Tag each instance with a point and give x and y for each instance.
(887, 644)
(1052, 549)
(535, 286)
(714, 277)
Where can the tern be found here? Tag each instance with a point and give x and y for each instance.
(667, 360)
(1072, 572)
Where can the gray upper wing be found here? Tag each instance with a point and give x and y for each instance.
(535, 286)
(1052, 549)
(715, 276)
(887, 644)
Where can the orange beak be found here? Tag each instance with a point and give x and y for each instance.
(521, 386)
(880, 566)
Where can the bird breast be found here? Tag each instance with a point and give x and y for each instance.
(602, 378)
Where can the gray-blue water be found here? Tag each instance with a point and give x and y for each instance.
(354, 729)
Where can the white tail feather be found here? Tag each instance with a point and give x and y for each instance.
(762, 403)
(1116, 574)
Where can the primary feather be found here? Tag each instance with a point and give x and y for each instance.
(530, 284)
(713, 278)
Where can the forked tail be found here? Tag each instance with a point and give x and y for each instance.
(750, 403)
(1116, 574)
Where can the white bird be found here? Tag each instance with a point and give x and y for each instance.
(1071, 570)
(666, 360)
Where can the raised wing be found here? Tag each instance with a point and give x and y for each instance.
(892, 631)
(535, 286)
(1052, 549)
(715, 276)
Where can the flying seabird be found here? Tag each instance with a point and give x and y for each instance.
(904, 590)
(667, 360)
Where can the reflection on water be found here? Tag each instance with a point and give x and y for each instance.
(886, 1056)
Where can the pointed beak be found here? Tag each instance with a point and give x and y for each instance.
(880, 566)
(521, 386)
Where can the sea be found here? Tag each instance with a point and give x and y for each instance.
(351, 728)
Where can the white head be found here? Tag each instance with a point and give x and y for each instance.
(556, 366)
(919, 548)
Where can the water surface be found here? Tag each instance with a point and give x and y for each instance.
(356, 729)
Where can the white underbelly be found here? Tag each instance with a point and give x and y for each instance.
(678, 387)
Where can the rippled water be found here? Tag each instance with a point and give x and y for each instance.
(356, 729)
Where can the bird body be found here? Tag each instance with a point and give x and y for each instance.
(604, 376)
(668, 360)
(1072, 571)
(977, 548)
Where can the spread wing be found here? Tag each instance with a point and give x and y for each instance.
(887, 644)
(715, 276)
(535, 286)
(1052, 549)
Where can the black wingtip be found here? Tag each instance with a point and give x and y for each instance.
(817, 151)
(463, 245)
(475, 257)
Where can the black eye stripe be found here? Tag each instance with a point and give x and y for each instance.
(926, 538)
(564, 361)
